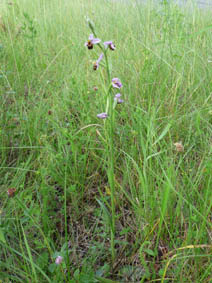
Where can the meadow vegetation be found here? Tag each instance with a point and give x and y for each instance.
(124, 199)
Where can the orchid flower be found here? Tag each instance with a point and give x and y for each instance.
(91, 41)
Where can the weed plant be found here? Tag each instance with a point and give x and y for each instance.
(122, 199)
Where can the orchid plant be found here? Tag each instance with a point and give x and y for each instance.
(112, 99)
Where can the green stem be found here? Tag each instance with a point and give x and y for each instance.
(112, 180)
(111, 175)
(107, 66)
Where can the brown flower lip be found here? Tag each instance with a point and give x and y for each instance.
(89, 44)
(95, 66)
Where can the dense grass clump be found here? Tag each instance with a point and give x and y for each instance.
(126, 199)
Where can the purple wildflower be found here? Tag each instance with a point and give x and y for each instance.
(110, 44)
(102, 115)
(91, 41)
(58, 260)
(116, 83)
(118, 99)
(118, 95)
(96, 64)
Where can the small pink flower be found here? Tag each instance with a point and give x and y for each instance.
(96, 64)
(58, 260)
(116, 83)
(102, 115)
(110, 44)
(118, 99)
(91, 41)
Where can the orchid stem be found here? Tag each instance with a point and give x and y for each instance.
(111, 175)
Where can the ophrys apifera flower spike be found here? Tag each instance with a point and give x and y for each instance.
(110, 100)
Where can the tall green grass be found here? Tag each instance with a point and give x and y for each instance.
(54, 151)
